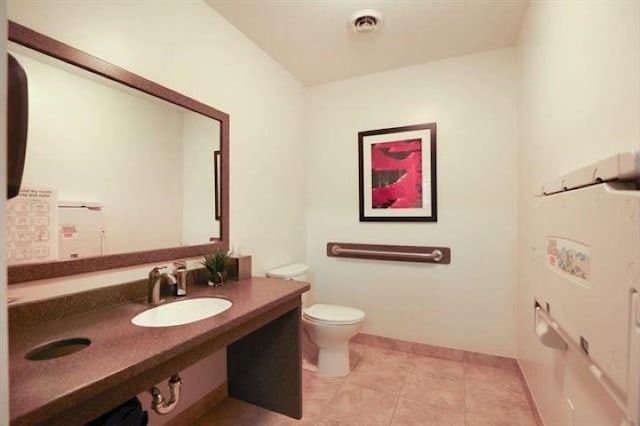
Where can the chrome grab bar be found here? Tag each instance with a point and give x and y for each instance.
(435, 255)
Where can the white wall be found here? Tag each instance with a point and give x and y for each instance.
(469, 303)
(4, 332)
(579, 97)
(198, 209)
(91, 142)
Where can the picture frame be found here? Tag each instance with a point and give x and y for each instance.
(398, 174)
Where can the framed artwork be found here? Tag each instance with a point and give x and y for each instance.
(398, 174)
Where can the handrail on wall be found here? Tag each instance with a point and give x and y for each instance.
(424, 254)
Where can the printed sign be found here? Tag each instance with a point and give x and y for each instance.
(31, 220)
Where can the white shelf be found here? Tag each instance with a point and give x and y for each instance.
(621, 167)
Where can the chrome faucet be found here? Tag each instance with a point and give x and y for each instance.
(155, 282)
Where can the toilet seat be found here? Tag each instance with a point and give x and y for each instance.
(333, 314)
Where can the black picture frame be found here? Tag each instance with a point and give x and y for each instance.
(425, 206)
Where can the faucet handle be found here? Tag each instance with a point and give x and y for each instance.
(156, 270)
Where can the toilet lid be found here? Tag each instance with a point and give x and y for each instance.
(333, 314)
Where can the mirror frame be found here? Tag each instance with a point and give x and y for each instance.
(61, 51)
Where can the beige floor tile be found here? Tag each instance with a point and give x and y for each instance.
(495, 399)
(519, 417)
(388, 379)
(281, 420)
(481, 375)
(385, 358)
(387, 386)
(387, 382)
(359, 348)
(328, 422)
(414, 413)
(319, 388)
(356, 353)
(494, 392)
(232, 412)
(382, 369)
(437, 367)
(355, 405)
(434, 389)
(312, 412)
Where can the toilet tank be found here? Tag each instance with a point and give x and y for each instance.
(296, 272)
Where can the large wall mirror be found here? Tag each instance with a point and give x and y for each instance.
(119, 170)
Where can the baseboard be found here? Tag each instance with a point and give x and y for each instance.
(436, 351)
(532, 403)
(199, 408)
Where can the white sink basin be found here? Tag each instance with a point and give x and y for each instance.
(181, 312)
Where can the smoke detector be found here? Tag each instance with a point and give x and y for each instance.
(366, 21)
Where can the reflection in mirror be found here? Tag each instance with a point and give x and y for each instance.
(143, 183)
(120, 171)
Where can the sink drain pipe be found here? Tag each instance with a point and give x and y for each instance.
(158, 402)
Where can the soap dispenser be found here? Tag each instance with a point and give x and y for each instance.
(180, 272)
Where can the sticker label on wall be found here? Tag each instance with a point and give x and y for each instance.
(569, 257)
(68, 231)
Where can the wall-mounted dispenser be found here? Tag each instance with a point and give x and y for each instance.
(547, 331)
(17, 124)
(587, 226)
(82, 229)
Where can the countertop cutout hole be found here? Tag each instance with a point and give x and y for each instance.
(58, 349)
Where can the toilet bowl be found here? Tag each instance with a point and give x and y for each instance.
(329, 327)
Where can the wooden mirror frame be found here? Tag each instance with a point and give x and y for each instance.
(56, 49)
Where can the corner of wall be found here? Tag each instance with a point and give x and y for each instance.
(576, 66)
(4, 332)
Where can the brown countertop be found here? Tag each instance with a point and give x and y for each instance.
(119, 350)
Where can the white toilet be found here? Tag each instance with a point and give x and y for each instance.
(330, 327)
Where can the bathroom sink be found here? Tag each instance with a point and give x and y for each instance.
(181, 312)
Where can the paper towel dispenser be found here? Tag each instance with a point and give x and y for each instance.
(17, 123)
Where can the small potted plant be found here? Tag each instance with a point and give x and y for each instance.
(216, 265)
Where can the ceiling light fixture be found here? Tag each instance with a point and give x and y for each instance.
(366, 21)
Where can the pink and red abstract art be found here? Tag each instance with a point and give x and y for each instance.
(396, 174)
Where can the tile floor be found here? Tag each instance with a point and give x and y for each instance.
(395, 388)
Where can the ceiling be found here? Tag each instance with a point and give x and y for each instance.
(312, 39)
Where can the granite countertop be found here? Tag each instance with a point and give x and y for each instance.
(120, 350)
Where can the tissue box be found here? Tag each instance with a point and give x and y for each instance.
(239, 268)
